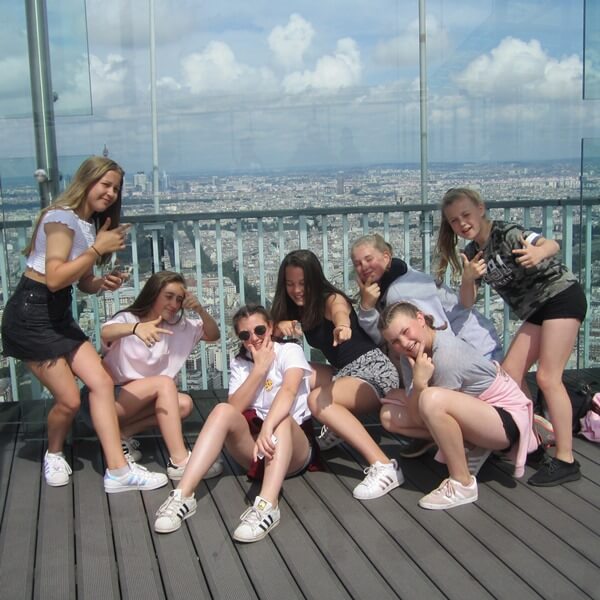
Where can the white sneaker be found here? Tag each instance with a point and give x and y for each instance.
(257, 521)
(381, 479)
(449, 494)
(327, 439)
(56, 469)
(131, 449)
(476, 458)
(544, 430)
(174, 511)
(138, 478)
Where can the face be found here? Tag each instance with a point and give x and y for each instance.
(405, 333)
(104, 192)
(294, 284)
(370, 263)
(465, 218)
(249, 325)
(168, 302)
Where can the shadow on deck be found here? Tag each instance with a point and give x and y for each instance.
(77, 542)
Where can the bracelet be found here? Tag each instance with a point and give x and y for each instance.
(347, 326)
(134, 328)
(95, 250)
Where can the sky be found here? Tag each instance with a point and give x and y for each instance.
(286, 85)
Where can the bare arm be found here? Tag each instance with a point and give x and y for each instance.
(211, 329)
(337, 310)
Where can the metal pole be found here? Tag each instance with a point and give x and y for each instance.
(42, 100)
(153, 109)
(426, 224)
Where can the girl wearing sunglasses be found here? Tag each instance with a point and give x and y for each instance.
(265, 426)
(145, 346)
(363, 373)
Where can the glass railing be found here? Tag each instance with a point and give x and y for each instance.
(229, 258)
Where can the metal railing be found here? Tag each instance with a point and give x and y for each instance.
(232, 257)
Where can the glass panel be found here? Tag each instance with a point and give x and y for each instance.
(589, 250)
(591, 84)
(67, 32)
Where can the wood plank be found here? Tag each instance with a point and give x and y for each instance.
(97, 574)
(180, 570)
(55, 549)
(18, 535)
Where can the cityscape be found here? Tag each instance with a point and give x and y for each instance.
(355, 199)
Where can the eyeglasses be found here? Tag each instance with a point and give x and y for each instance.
(258, 330)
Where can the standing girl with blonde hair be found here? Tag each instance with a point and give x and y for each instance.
(81, 229)
(523, 268)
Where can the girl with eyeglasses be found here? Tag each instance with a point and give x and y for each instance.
(265, 426)
(363, 374)
(145, 346)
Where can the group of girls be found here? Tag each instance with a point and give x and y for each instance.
(453, 391)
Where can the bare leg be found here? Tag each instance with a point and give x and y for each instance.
(57, 376)
(86, 364)
(335, 406)
(225, 425)
(291, 453)
(158, 395)
(453, 417)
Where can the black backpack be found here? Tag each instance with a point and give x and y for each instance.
(581, 401)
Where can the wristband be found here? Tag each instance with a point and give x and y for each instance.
(134, 328)
(95, 250)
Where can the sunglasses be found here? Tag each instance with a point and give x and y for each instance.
(258, 330)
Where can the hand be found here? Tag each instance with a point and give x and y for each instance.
(473, 269)
(264, 446)
(369, 293)
(289, 328)
(529, 255)
(111, 240)
(341, 334)
(149, 331)
(113, 281)
(263, 357)
(422, 367)
(190, 302)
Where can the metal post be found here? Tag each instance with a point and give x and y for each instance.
(153, 110)
(425, 224)
(42, 100)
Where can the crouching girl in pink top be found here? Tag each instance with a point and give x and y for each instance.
(145, 346)
(459, 397)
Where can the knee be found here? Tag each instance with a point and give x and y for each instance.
(102, 385)
(69, 404)
(186, 406)
(165, 385)
(385, 416)
(546, 378)
(431, 402)
(223, 412)
(313, 402)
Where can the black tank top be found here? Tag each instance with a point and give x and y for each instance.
(321, 337)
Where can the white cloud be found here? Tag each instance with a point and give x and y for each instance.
(332, 72)
(403, 50)
(216, 70)
(516, 69)
(289, 43)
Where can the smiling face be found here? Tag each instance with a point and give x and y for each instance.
(467, 219)
(168, 302)
(249, 324)
(405, 333)
(103, 194)
(370, 263)
(294, 284)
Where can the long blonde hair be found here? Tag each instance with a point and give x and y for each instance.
(88, 174)
(447, 239)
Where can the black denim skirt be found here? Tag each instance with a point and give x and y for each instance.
(38, 324)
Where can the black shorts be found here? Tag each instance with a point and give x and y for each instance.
(38, 325)
(510, 427)
(568, 304)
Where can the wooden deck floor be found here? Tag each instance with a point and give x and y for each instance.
(516, 542)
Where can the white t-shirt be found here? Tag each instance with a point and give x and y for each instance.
(85, 235)
(287, 356)
(128, 358)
